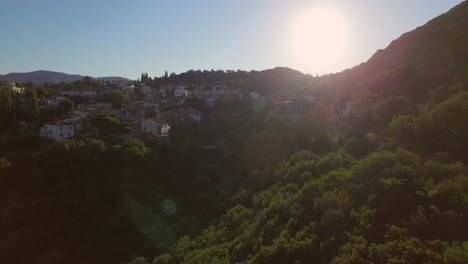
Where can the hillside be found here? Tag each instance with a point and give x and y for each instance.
(50, 77)
(385, 182)
(429, 56)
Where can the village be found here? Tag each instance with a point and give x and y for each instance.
(145, 111)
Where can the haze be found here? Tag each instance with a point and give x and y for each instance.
(125, 38)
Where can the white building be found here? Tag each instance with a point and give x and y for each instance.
(76, 122)
(58, 130)
(179, 91)
(146, 89)
(151, 105)
(210, 101)
(155, 126)
(195, 115)
(219, 91)
(188, 93)
(18, 89)
(162, 92)
(254, 95)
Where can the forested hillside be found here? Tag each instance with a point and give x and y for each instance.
(385, 183)
(374, 170)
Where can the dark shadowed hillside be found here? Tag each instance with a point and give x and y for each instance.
(431, 55)
(370, 169)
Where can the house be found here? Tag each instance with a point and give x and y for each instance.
(162, 92)
(201, 91)
(146, 89)
(188, 93)
(81, 115)
(16, 89)
(185, 115)
(254, 95)
(219, 91)
(49, 103)
(155, 126)
(151, 105)
(58, 130)
(76, 122)
(195, 115)
(234, 92)
(210, 101)
(174, 116)
(179, 91)
(172, 103)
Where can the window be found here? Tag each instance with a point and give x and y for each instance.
(69, 134)
(61, 135)
(60, 128)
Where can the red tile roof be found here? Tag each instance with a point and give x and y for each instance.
(56, 123)
(159, 121)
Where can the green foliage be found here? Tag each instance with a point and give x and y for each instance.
(319, 222)
(135, 149)
(358, 146)
(119, 98)
(106, 124)
(450, 118)
(195, 101)
(386, 184)
(456, 254)
(389, 107)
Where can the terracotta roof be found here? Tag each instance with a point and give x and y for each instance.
(57, 123)
(159, 121)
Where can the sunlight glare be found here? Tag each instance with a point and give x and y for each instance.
(319, 40)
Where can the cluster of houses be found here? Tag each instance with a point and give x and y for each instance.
(152, 111)
(155, 111)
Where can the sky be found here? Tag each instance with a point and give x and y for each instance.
(125, 38)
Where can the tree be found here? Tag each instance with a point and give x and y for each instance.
(66, 106)
(119, 98)
(139, 92)
(31, 104)
(106, 124)
(451, 118)
(389, 107)
(195, 101)
(6, 105)
(402, 127)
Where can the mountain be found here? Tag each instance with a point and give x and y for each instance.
(51, 77)
(429, 56)
(381, 194)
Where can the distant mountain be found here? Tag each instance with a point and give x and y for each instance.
(51, 77)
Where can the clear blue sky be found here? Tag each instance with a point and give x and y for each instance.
(125, 38)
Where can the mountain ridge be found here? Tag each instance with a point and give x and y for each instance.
(52, 77)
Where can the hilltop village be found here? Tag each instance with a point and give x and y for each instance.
(133, 109)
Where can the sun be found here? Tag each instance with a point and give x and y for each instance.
(319, 40)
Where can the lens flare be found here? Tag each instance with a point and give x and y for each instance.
(168, 207)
